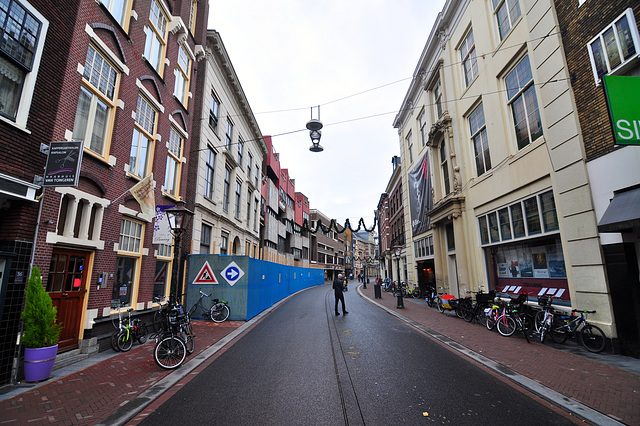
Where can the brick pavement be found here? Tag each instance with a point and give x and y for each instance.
(602, 387)
(89, 395)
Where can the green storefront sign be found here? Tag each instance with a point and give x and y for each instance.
(623, 98)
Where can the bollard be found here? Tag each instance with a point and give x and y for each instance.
(400, 304)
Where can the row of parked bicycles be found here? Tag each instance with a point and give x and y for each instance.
(406, 290)
(172, 329)
(510, 315)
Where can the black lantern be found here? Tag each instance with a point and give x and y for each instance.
(179, 218)
(314, 126)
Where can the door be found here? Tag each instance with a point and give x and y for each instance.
(67, 285)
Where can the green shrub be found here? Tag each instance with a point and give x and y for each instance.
(39, 315)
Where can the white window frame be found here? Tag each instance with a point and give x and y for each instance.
(468, 58)
(478, 129)
(520, 96)
(625, 63)
(121, 15)
(173, 168)
(31, 76)
(508, 4)
(144, 130)
(182, 74)
(155, 46)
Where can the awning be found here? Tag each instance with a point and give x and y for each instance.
(623, 212)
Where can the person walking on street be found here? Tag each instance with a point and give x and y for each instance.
(338, 288)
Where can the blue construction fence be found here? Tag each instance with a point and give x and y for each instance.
(248, 285)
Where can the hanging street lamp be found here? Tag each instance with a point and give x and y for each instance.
(179, 218)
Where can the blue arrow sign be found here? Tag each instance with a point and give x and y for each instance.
(232, 273)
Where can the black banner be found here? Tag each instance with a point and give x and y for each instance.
(420, 199)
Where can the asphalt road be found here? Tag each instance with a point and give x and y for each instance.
(301, 365)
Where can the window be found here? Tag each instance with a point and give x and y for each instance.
(240, 150)
(205, 239)
(214, 109)
(229, 134)
(192, 16)
(532, 215)
(255, 215)
(505, 225)
(249, 164)
(444, 168)
(549, 215)
(256, 175)
(237, 202)
(156, 42)
(209, 173)
(144, 135)
(517, 219)
(20, 39)
(226, 190)
(422, 124)
(224, 243)
(125, 281)
(119, 9)
(524, 103)
(96, 104)
(437, 99)
(507, 12)
(520, 219)
(469, 61)
(451, 241)
(410, 147)
(131, 233)
(130, 236)
(615, 47)
(248, 208)
(479, 140)
(174, 163)
(181, 88)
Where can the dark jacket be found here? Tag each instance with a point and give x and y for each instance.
(338, 285)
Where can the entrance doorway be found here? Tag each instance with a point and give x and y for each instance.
(66, 286)
(426, 274)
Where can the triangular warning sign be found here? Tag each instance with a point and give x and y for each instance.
(205, 276)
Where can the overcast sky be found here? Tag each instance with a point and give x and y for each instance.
(353, 58)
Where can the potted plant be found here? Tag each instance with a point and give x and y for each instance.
(41, 332)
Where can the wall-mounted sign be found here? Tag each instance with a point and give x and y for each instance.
(63, 163)
(622, 95)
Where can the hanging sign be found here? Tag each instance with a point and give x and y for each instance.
(63, 163)
(622, 93)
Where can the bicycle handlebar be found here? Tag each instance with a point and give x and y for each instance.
(583, 311)
(204, 294)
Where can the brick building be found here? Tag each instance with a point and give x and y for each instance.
(127, 95)
(587, 27)
(31, 77)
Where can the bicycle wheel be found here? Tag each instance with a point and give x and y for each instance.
(430, 301)
(506, 325)
(187, 336)
(219, 312)
(125, 340)
(538, 320)
(114, 341)
(141, 332)
(559, 334)
(158, 321)
(170, 353)
(543, 332)
(592, 338)
(439, 304)
(468, 312)
(416, 293)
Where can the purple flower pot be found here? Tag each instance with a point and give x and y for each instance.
(38, 363)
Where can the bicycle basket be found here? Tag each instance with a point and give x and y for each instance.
(545, 302)
(486, 297)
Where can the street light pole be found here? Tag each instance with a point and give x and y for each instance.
(179, 217)
(400, 304)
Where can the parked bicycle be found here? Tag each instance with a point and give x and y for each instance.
(512, 320)
(414, 292)
(431, 296)
(591, 336)
(218, 312)
(476, 310)
(176, 341)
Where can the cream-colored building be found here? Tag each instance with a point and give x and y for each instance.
(229, 160)
(491, 107)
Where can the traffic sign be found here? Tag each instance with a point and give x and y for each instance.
(206, 275)
(232, 273)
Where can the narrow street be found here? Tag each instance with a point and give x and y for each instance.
(303, 365)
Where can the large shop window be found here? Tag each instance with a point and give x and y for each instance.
(535, 267)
